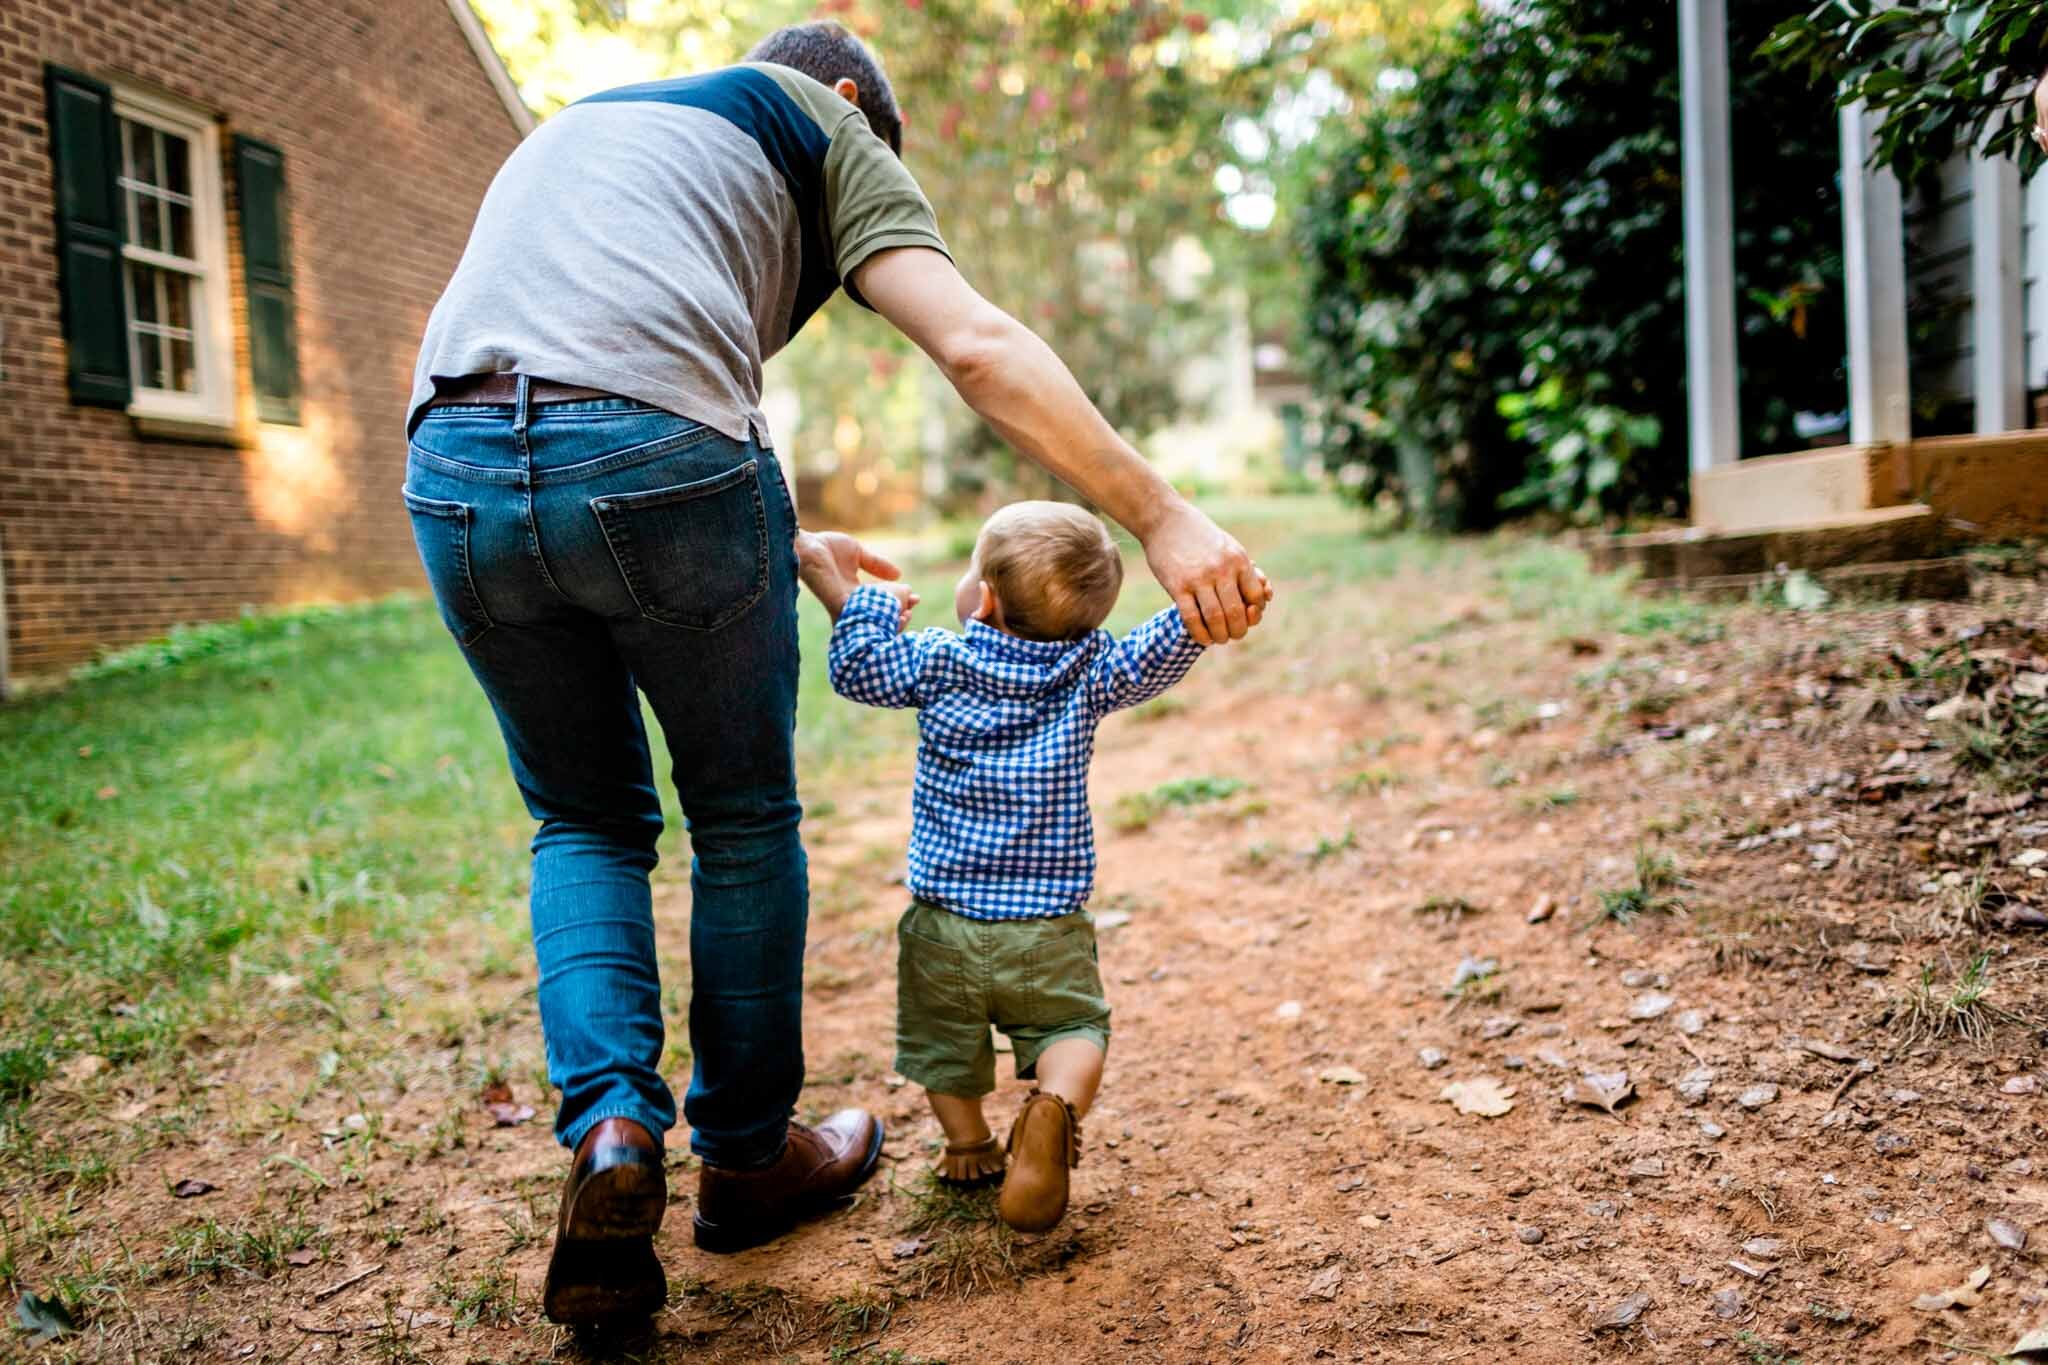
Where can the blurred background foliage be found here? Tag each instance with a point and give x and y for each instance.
(1497, 276)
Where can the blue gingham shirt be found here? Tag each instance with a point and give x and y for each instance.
(999, 825)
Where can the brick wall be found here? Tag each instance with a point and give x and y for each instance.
(391, 132)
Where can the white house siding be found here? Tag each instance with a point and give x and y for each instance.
(2034, 251)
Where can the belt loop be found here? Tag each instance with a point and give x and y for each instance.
(519, 410)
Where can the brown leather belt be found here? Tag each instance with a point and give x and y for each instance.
(504, 388)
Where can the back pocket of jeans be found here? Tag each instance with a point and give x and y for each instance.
(695, 555)
(441, 532)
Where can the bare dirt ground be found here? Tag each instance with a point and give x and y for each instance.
(1478, 837)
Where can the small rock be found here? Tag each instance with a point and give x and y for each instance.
(1429, 1058)
(1755, 1272)
(1892, 1144)
(1543, 909)
(1499, 1026)
(1513, 1062)
(1530, 1236)
(191, 1189)
(2021, 1085)
(1690, 1022)
(1646, 1168)
(1757, 1096)
(1712, 1131)
(1601, 1208)
(1326, 1283)
(1288, 1009)
(2006, 1233)
(1622, 1315)
(1694, 1084)
(1764, 1248)
(1649, 1006)
(1635, 978)
(1729, 1305)
(1342, 1075)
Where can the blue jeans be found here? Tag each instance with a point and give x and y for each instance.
(578, 551)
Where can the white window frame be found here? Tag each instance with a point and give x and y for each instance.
(211, 410)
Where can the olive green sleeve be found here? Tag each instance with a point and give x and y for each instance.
(872, 202)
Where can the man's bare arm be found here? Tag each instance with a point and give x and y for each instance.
(1022, 389)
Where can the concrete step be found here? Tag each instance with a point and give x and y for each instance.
(1945, 579)
(1883, 535)
(1807, 485)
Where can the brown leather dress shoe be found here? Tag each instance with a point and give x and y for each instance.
(820, 1167)
(1045, 1143)
(604, 1269)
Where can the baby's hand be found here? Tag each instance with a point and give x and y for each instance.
(906, 600)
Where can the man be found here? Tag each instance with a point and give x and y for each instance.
(591, 497)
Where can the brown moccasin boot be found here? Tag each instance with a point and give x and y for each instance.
(603, 1268)
(819, 1168)
(1045, 1143)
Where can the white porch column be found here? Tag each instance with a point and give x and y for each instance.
(1874, 278)
(1997, 292)
(1709, 234)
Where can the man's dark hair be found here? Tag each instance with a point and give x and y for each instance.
(826, 51)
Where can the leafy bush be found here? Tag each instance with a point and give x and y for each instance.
(1496, 315)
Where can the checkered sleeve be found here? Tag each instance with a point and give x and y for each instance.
(1143, 664)
(870, 659)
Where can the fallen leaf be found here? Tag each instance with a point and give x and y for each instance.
(44, 1319)
(1483, 1096)
(1326, 1283)
(2032, 1346)
(2006, 1233)
(509, 1115)
(1965, 1295)
(1112, 919)
(1646, 1168)
(907, 1248)
(1764, 1248)
(303, 1256)
(1343, 1075)
(1623, 1314)
(497, 1092)
(1755, 1272)
(1606, 1090)
(1543, 909)
(1819, 1049)
(191, 1189)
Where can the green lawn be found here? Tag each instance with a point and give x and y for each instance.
(266, 797)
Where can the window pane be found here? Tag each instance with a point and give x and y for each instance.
(177, 167)
(184, 376)
(181, 230)
(141, 139)
(149, 229)
(142, 293)
(178, 300)
(148, 361)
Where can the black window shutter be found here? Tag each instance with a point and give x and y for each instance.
(85, 156)
(267, 273)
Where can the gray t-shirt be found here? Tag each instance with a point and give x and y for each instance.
(661, 241)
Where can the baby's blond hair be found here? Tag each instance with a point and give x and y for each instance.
(1053, 568)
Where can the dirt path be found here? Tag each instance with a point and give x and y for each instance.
(1271, 1174)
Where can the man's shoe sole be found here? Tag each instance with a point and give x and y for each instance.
(602, 1283)
(725, 1240)
(603, 1270)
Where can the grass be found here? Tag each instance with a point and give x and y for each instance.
(1949, 1004)
(966, 1248)
(1650, 893)
(1138, 810)
(1448, 909)
(490, 1300)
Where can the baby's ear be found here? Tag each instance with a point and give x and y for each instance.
(989, 610)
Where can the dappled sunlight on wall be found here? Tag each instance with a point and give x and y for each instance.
(293, 481)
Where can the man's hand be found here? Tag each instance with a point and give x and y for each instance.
(831, 563)
(1220, 592)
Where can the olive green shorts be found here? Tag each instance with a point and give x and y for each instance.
(1035, 979)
